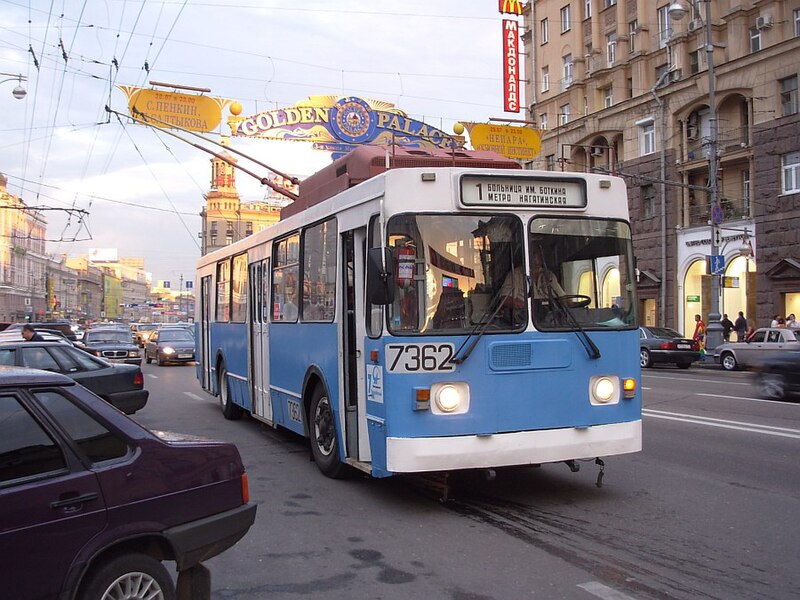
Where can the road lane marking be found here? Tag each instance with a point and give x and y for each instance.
(194, 396)
(723, 423)
(726, 382)
(603, 591)
(153, 376)
(750, 399)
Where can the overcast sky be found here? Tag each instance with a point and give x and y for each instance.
(439, 61)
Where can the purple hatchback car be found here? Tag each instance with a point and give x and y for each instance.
(91, 502)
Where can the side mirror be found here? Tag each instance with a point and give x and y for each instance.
(380, 276)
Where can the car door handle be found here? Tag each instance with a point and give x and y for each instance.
(74, 500)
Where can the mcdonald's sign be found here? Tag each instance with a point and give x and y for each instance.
(510, 7)
(511, 65)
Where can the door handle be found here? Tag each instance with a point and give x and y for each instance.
(74, 500)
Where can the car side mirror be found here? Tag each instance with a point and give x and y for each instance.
(380, 276)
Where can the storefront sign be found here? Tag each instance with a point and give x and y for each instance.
(339, 124)
(510, 7)
(165, 109)
(513, 142)
(522, 191)
(511, 65)
(693, 298)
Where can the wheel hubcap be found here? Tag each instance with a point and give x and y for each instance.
(134, 586)
(643, 359)
(323, 427)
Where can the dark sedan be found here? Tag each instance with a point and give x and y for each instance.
(114, 345)
(665, 345)
(120, 385)
(93, 502)
(168, 346)
(778, 376)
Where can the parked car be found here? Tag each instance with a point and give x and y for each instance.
(62, 326)
(120, 385)
(763, 343)
(665, 345)
(169, 345)
(778, 376)
(93, 502)
(114, 345)
(49, 335)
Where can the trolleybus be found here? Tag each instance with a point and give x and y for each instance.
(432, 318)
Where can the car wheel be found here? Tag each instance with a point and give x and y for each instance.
(772, 386)
(230, 411)
(324, 442)
(147, 358)
(684, 365)
(644, 358)
(728, 361)
(159, 361)
(130, 577)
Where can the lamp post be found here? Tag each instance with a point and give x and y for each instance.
(18, 92)
(677, 11)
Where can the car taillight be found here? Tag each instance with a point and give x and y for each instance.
(138, 379)
(245, 489)
(668, 345)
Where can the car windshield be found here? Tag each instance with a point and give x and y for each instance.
(175, 336)
(582, 274)
(106, 337)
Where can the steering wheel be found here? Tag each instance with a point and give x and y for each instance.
(575, 300)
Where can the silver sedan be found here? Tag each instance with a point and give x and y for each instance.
(763, 343)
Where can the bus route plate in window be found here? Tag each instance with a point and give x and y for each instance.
(420, 358)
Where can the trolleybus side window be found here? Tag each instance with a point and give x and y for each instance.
(239, 289)
(319, 272)
(456, 272)
(223, 291)
(285, 279)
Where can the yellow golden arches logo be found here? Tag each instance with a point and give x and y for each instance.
(510, 7)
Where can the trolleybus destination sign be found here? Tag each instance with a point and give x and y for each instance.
(519, 191)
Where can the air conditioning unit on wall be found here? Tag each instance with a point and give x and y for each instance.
(764, 22)
(695, 25)
(597, 151)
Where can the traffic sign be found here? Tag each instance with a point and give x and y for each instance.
(716, 264)
(717, 214)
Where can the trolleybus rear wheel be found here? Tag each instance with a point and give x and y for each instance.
(230, 410)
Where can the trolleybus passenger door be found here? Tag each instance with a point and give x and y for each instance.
(354, 331)
(205, 336)
(259, 339)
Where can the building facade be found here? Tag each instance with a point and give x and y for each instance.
(23, 263)
(624, 87)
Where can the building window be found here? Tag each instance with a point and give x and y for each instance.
(611, 49)
(550, 162)
(648, 201)
(633, 28)
(789, 96)
(563, 114)
(647, 137)
(566, 20)
(567, 69)
(545, 79)
(755, 39)
(545, 35)
(629, 84)
(608, 97)
(790, 165)
(229, 239)
(664, 26)
(607, 3)
(796, 15)
(587, 9)
(746, 192)
(543, 121)
(694, 62)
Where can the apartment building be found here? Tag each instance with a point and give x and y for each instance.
(625, 87)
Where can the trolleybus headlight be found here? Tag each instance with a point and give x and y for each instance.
(604, 390)
(450, 398)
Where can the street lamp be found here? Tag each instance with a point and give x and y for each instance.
(18, 92)
(677, 11)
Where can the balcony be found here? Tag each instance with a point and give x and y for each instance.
(733, 140)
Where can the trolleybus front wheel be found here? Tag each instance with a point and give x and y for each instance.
(322, 431)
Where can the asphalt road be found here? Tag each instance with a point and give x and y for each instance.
(709, 509)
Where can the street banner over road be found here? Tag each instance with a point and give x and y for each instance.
(185, 111)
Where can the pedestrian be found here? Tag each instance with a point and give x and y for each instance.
(774, 322)
(699, 334)
(30, 335)
(751, 330)
(781, 323)
(740, 325)
(791, 322)
(727, 327)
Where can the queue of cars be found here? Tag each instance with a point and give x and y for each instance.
(119, 499)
